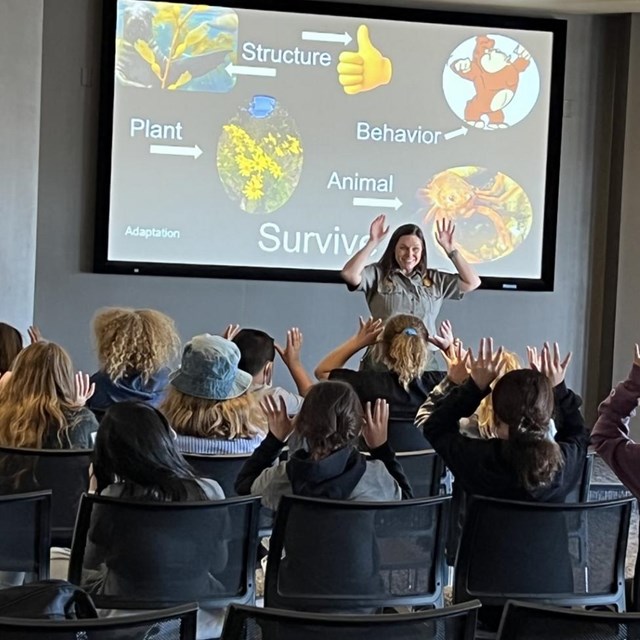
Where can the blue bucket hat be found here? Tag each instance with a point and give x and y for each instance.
(209, 369)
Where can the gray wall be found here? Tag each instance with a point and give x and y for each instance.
(20, 43)
(67, 294)
(627, 325)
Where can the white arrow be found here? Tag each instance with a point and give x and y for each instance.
(378, 202)
(169, 150)
(319, 36)
(239, 70)
(462, 131)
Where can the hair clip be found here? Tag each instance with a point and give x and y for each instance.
(410, 331)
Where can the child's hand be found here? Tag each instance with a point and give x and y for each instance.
(534, 359)
(376, 423)
(457, 359)
(231, 331)
(486, 367)
(291, 352)
(369, 331)
(280, 425)
(444, 338)
(84, 388)
(551, 364)
(35, 335)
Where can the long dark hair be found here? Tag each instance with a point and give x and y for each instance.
(10, 346)
(388, 260)
(524, 400)
(331, 417)
(135, 446)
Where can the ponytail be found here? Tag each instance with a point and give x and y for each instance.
(403, 347)
(524, 401)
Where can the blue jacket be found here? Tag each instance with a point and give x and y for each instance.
(129, 387)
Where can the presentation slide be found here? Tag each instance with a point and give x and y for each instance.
(263, 139)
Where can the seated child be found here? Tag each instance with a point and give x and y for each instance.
(257, 355)
(209, 402)
(402, 376)
(136, 348)
(330, 421)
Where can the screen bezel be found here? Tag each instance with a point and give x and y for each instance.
(101, 263)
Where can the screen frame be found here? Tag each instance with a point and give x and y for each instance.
(557, 27)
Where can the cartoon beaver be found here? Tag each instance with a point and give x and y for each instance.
(495, 78)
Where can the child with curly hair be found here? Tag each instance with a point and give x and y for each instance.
(135, 349)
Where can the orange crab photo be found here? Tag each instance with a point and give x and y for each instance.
(491, 211)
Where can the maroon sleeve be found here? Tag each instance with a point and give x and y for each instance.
(610, 435)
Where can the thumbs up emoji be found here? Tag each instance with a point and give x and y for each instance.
(364, 69)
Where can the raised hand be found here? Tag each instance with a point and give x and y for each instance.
(84, 388)
(486, 367)
(231, 331)
(552, 365)
(457, 359)
(376, 423)
(291, 352)
(636, 356)
(280, 424)
(35, 335)
(534, 358)
(444, 338)
(368, 331)
(379, 229)
(444, 234)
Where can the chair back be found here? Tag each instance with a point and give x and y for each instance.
(332, 556)
(526, 621)
(580, 493)
(64, 472)
(25, 536)
(178, 623)
(223, 469)
(250, 623)
(424, 470)
(135, 554)
(529, 551)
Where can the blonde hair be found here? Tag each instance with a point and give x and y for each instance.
(486, 427)
(134, 340)
(39, 396)
(239, 417)
(404, 352)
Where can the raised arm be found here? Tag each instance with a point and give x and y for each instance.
(571, 425)
(352, 271)
(610, 435)
(291, 357)
(262, 458)
(456, 358)
(469, 280)
(367, 334)
(375, 433)
(441, 429)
